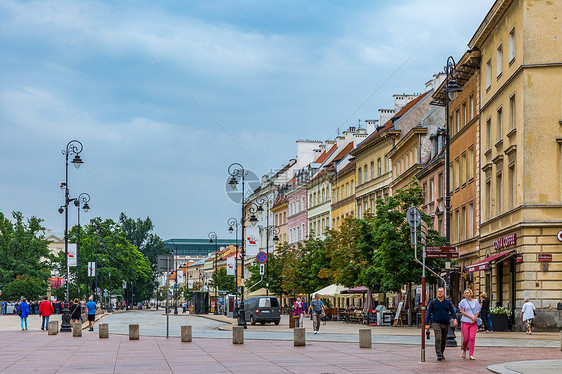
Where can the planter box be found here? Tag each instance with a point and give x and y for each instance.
(500, 322)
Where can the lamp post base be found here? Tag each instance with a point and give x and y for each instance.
(242, 318)
(451, 341)
(65, 325)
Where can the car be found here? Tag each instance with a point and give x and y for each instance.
(262, 309)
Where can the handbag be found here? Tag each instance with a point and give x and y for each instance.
(479, 321)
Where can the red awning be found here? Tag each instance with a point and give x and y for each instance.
(483, 264)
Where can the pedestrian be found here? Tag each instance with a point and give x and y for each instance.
(317, 308)
(528, 314)
(485, 312)
(438, 312)
(76, 311)
(45, 311)
(91, 308)
(23, 312)
(470, 309)
(3, 308)
(299, 312)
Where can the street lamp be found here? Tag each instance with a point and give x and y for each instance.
(234, 222)
(451, 87)
(213, 238)
(74, 147)
(236, 171)
(268, 203)
(82, 200)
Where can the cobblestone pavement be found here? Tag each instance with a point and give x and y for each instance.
(35, 351)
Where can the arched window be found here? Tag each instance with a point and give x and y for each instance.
(372, 169)
(379, 167)
(359, 176)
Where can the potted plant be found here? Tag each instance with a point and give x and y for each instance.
(500, 318)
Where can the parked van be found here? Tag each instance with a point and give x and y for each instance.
(262, 309)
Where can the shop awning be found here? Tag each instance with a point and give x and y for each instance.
(483, 264)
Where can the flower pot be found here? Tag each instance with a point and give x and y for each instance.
(500, 322)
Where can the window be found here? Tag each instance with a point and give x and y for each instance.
(462, 225)
(284, 217)
(512, 118)
(431, 190)
(512, 186)
(463, 114)
(352, 187)
(379, 167)
(276, 220)
(488, 199)
(457, 120)
(372, 169)
(456, 226)
(470, 222)
(499, 60)
(387, 163)
(424, 192)
(365, 174)
(359, 176)
(470, 163)
(463, 169)
(489, 133)
(470, 107)
(457, 173)
(347, 190)
(440, 185)
(303, 232)
(499, 125)
(450, 177)
(499, 190)
(512, 45)
(488, 73)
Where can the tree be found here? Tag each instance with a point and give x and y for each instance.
(224, 282)
(25, 260)
(275, 268)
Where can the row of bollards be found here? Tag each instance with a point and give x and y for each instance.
(299, 334)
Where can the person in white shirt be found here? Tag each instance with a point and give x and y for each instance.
(527, 314)
(470, 310)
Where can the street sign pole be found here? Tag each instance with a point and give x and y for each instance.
(413, 216)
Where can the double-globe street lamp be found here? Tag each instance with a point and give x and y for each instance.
(237, 171)
(214, 239)
(81, 202)
(74, 147)
(451, 87)
(268, 203)
(233, 226)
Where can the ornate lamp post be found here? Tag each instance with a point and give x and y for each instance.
(82, 200)
(213, 238)
(237, 171)
(451, 86)
(233, 222)
(74, 147)
(268, 203)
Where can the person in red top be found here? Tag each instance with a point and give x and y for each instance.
(45, 311)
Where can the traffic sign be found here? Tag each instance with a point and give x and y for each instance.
(262, 269)
(441, 249)
(261, 257)
(413, 216)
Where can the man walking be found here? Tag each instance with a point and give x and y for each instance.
(91, 308)
(317, 308)
(45, 311)
(439, 309)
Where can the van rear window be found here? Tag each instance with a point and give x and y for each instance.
(268, 302)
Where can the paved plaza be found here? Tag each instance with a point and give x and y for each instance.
(267, 349)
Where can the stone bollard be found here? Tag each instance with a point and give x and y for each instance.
(77, 329)
(365, 338)
(103, 330)
(186, 334)
(134, 332)
(53, 327)
(238, 335)
(299, 336)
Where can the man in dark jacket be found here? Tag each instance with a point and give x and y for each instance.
(438, 310)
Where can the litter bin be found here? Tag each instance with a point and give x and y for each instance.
(291, 320)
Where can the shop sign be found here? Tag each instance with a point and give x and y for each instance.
(545, 257)
(505, 242)
(560, 235)
(519, 258)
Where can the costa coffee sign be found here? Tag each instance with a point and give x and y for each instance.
(505, 242)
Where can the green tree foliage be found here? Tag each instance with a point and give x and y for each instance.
(225, 282)
(118, 260)
(25, 261)
(275, 268)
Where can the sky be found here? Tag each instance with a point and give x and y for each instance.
(165, 95)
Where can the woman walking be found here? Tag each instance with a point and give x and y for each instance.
(485, 312)
(470, 309)
(23, 312)
(299, 312)
(76, 311)
(528, 314)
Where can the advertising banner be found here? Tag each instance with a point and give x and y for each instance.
(252, 241)
(190, 284)
(230, 264)
(91, 269)
(72, 254)
(180, 277)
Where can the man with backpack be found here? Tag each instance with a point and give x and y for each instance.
(438, 310)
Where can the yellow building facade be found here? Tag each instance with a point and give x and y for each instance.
(520, 243)
(343, 195)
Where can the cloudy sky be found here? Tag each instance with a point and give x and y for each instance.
(164, 96)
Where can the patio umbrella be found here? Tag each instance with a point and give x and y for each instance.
(369, 305)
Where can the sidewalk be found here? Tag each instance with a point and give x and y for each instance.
(38, 352)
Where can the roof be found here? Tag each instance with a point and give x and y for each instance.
(390, 123)
(325, 154)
